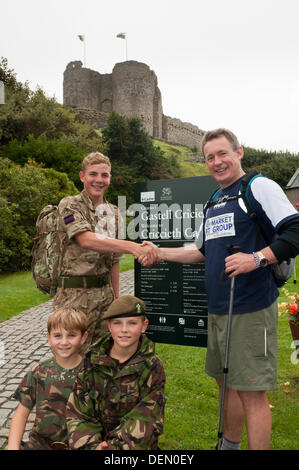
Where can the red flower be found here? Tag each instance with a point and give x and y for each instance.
(293, 309)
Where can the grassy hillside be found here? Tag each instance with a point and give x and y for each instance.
(188, 162)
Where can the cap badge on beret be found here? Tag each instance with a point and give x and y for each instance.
(138, 308)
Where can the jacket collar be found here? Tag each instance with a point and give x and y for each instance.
(99, 351)
(89, 202)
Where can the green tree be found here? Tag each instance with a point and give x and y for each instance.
(127, 142)
(14, 241)
(8, 76)
(61, 155)
(24, 192)
(32, 113)
(115, 136)
(279, 166)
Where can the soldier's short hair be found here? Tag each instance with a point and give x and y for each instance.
(95, 158)
(67, 318)
(221, 132)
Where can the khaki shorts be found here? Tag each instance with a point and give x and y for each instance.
(252, 362)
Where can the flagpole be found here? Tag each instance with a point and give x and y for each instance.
(82, 38)
(124, 36)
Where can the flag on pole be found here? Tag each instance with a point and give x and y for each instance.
(81, 37)
(121, 35)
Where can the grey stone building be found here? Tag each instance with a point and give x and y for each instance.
(132, 90)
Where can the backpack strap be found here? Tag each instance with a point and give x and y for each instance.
(213, 201)
(245, 183)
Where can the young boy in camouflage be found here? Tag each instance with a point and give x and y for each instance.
(118, 399)
(49, 384)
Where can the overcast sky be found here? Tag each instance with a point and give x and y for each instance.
(219, 63)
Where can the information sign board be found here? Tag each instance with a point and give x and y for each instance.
(170, 214)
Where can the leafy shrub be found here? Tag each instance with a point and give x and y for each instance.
(27, 112)
(14, 241)
(278, 166)
(63, 156)
(24, 192)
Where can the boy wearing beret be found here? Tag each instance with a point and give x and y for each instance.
(118, 399)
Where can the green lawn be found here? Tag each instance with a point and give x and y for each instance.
(19, 292)
(191, 416)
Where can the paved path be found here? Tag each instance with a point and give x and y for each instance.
(22, 343)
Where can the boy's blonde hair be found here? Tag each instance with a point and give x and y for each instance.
(67, 318)
(95, 158)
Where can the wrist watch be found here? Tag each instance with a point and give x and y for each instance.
(262, 259)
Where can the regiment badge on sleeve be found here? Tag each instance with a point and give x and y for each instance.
(68, 219)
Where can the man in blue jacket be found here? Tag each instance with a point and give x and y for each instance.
(253, 345)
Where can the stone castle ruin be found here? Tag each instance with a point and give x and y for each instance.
(131, 90)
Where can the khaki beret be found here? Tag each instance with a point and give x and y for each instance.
(125, 306)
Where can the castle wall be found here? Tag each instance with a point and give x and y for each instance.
(183, 133)
(97, 119)
(157, 114)
(106, 94)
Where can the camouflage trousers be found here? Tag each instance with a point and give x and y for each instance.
(39, 443)
(93, 302)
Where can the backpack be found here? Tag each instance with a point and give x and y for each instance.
(281, 271)
(47, 251)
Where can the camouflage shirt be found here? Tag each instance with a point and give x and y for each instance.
(48, 386)
(121, 403)
(77, 214)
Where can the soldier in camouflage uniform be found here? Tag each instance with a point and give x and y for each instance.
(89, 274)
(118, 399)
(48, 385)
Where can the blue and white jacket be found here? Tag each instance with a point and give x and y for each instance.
(228, 223)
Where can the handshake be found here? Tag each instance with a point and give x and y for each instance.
(148, 254)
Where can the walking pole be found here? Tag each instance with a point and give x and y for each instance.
(231, 249)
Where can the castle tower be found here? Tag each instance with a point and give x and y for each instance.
(81, 86)
(135, 93)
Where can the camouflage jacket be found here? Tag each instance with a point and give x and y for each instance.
(77, 214)
(48, 386)
(122, 404)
